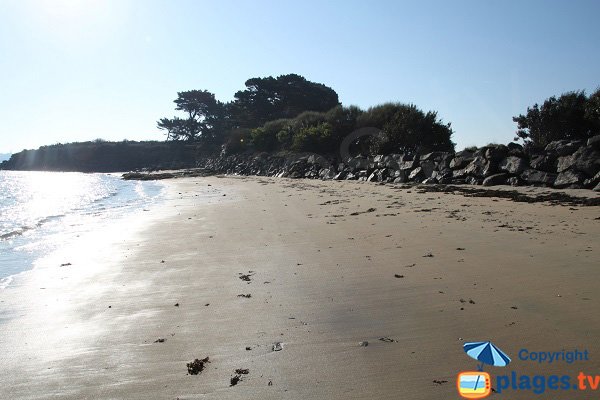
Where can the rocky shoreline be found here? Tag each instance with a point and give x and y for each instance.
(561, 164)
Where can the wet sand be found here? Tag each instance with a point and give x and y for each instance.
(327, 265)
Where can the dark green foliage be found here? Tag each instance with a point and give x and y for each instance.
(206, 117)
(592, 111)
(268, 99)
(238, 140)
(313, 138)
(406, 129)
(571, 116)
(292, 113)
(102, 156)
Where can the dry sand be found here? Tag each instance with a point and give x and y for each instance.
(322, 280)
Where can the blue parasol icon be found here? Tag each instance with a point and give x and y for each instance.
(486, 353)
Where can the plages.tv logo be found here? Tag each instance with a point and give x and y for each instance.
(477, 384)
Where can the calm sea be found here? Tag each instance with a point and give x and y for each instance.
(41, 211)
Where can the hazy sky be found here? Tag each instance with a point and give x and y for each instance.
(75, 70)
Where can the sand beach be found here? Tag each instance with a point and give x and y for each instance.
(286, 278)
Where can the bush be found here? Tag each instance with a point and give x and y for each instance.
(312, 138)
(572, 116)
(406, 129)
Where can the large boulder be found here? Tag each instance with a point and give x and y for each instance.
(462, 159)
(542, 162)
(416, 175)
(591, 182)
(515, 149)
(357, 163)
(443, 176)
(480, 167)
(594, 142)
(459, 174)
(428, 167)
(408, 164)
(569, 178)
(513, 165)
(495, 152)
(340, 176)
(585, 159)
(563, 147)
(379, 175)
(535, 177)
(496, 179)
(399, 176)
(326, 173)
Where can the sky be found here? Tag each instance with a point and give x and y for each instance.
(77, 70)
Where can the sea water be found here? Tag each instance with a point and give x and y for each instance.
(42, 211)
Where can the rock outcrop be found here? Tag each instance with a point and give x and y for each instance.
(561, 164)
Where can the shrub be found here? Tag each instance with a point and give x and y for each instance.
(572, 116)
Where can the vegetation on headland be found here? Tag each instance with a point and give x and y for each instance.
(571, 116)
(291, 114)
(103, 156)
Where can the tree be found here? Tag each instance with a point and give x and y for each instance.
(268, 99)
(206, 117)
(406, 129)
(572, 116)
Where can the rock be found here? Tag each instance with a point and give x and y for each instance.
(357, 163)
(340, 176)
(568, 178)
(591, 182)
(480, 167)
(515, 149)
(373, 177)
(513, 181)
(597, 188)
(585, 159)
(410, 164)
(513, 165)
(428, 166)
(429, 181)
(535, 177)
(459, 174)
(496, 179)
(399, 176)
(471, 180)
(594, 142)
(434, 156)
(461, 159)
(363, 344)
(543, 163)
(391, 164)
(496, 152)
(416, 174)
(563, 147)
(326, 173)
(444, 176)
